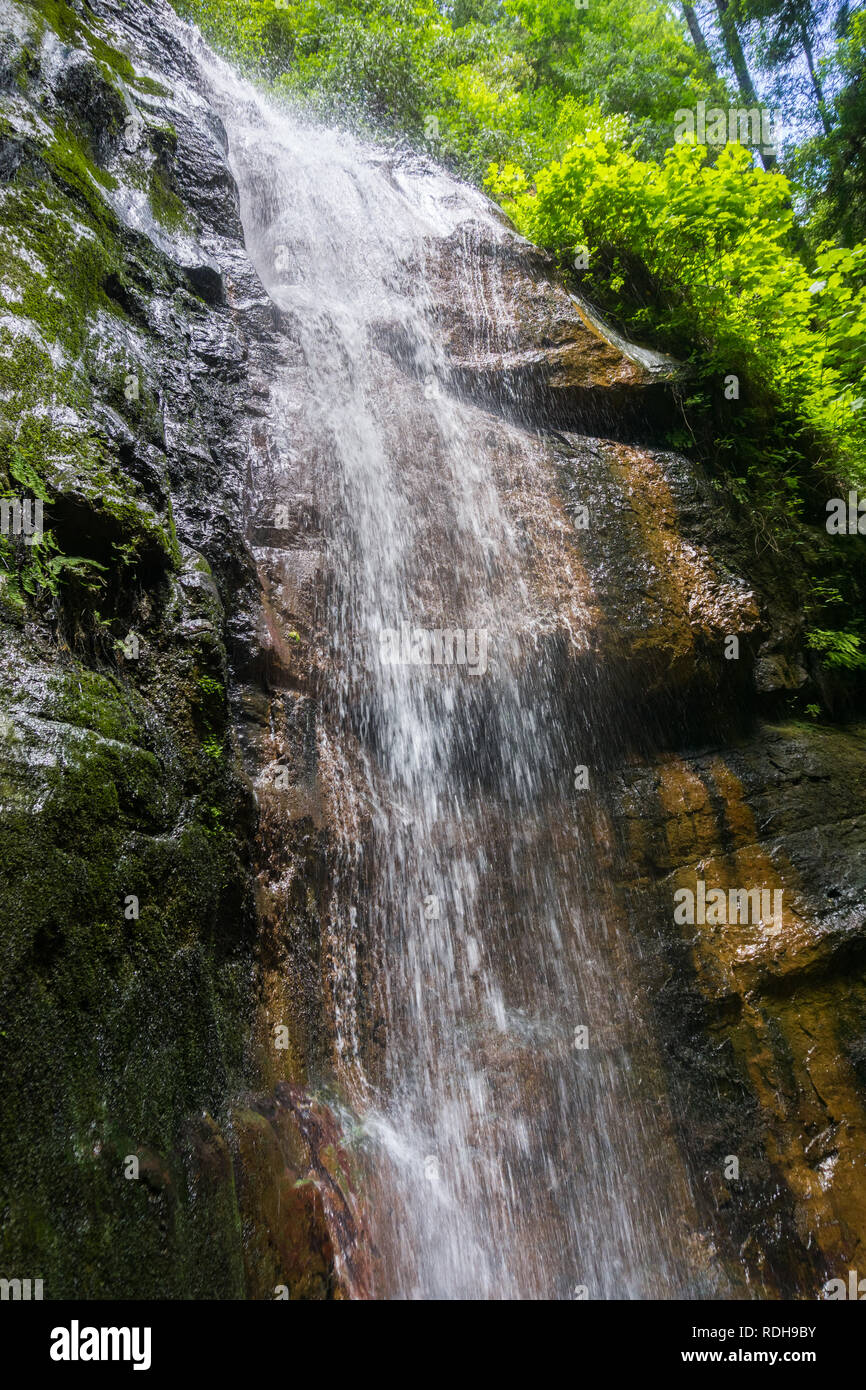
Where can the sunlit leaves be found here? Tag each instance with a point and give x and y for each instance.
(713, 242)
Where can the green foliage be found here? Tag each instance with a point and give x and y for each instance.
(632, 60)
(831, 167)
(699, 256)
(483, 82)
(211, 686)
(39, 567)
(48, 569)
(839, 649)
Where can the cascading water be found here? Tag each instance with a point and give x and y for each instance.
(486, 1007)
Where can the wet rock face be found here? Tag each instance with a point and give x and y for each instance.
(671, 638)
(539, 355)
(133, 328)
(167, 778)
(768, 1015)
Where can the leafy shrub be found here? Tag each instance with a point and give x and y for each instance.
(699, 257)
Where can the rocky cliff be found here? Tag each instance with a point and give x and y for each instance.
(133, 335)
(167, 998)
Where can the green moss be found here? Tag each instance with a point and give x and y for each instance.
(62, 260)
(69, 162)
(210, 686)
(119, 1030)
(173, 542)
(149, 86)
(165, 205)
(57, 15)
(13, 605)
(72, 468)
(56, 271)
(94, 700)
(25, 67)
(68, 26)
(170, 992)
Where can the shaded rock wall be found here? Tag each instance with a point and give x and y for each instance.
(133, 330)
(763, 1024)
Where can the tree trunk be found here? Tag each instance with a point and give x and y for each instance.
(813, 73)
(695, 30)
(737, 59)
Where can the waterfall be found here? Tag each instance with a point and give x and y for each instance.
(490, 1034)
